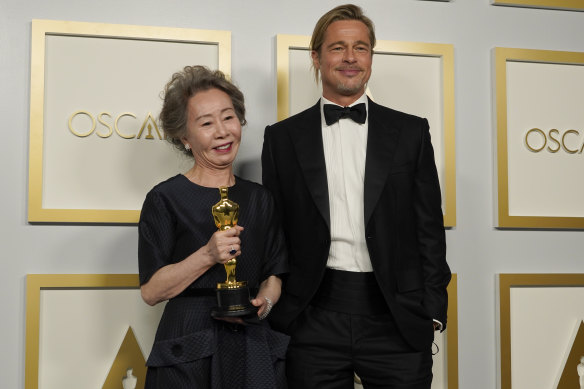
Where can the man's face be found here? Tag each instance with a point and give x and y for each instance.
(344, 61)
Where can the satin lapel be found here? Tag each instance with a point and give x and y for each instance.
(382, 140)
(307, 139)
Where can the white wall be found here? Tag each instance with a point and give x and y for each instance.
(477, 251)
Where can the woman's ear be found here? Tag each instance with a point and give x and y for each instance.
(185, 143)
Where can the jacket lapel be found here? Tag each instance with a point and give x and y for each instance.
(382, 140)
(307, 139)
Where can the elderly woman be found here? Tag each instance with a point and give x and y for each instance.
(181, 252)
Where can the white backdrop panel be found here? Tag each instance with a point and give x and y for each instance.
(545, 96)
(81, 331)
(543, 322)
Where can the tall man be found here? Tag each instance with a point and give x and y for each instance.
(358, 193)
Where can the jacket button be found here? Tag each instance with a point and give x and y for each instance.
(176, 350)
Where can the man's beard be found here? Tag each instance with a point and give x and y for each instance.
(349, 90)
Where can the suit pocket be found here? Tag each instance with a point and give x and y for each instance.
(411, 292)
(413, 301)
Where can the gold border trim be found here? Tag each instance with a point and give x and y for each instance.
(502, 56)
(42, 28)
(452, 334)
(508, 281)
(574, 5)
(444, 51)
(35, 283)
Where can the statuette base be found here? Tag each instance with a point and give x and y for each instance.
(233, 301)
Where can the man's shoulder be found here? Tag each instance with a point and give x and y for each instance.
(311, 113)
(378, 109)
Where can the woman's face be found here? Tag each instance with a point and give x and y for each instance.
(213, 129)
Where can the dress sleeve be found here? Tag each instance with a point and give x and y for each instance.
(156, 236)
(276, 253)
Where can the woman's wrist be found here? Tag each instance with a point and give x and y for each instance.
(267, 309)
(271, 287)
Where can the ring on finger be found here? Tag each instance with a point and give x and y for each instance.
(232, 251)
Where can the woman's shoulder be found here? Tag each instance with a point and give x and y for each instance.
(168, 186)
(252, 187)
(254, 196)
(166, 191)
(248, 184)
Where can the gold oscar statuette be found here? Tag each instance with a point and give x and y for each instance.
(232, 295)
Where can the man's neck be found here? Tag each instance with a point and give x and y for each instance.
(343, 101)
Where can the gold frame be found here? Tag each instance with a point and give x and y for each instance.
(502, 56)
(575, 5)
(508, 281)
(35, 283)
(452, 334)
(43, 28)
(444, 51)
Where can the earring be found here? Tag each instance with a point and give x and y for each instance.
(187, 147)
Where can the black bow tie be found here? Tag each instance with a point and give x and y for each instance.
(332, 113)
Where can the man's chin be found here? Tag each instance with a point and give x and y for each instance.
(350, 91)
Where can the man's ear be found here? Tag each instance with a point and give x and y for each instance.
(315, 59)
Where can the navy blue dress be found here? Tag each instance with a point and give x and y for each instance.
(191, 349)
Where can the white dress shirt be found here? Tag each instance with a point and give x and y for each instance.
(345, 149)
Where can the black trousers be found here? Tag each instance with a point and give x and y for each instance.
(329, 343)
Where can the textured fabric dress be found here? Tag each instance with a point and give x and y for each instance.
(191, 349)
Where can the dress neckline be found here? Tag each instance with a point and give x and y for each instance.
(208, 187)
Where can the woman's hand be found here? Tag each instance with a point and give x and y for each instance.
(264, 305)
(268, 296)
(224, 245)
(172, 279)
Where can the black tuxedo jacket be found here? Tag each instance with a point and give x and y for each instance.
(403, 216)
